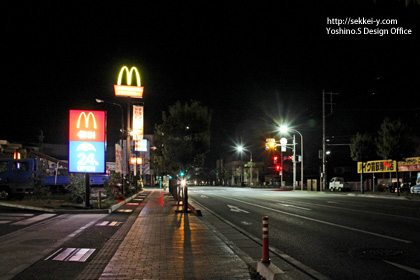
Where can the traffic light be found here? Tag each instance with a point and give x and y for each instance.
(182, 174)
(275, 159)
(278, 167)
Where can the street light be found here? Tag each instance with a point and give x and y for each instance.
(285, 129)
(241, 149)
(116, 104)
(121, 140)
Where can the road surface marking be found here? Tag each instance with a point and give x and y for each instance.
(322, 222)
(34, 219)
(205, 196)
(16, 215)
(71, 254)
(351, 209)
(80, 229)
(125, 210)
(347, 203)
(236, 209)
(294, 206)
(410, 269)
(109, 223)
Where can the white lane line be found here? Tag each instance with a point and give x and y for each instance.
(81, 229)
(322, 222)
(350, 209)
(347, 203)
(410, 269)
(34, 219)
(294, 206)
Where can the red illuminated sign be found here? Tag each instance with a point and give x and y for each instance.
(87, 126)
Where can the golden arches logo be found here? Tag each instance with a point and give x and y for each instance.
(86, 120)
(129, 90)
(129, 75)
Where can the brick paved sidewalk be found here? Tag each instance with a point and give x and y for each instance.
(162, 244)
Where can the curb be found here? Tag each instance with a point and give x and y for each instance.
(270, 271)
(116, 206)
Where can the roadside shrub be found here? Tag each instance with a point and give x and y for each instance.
(77, 188)
(36, 181)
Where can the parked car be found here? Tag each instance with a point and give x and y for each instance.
(338, 183)
(415, 189)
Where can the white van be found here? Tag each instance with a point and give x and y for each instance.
(338, 183)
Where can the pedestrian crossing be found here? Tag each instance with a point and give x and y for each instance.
(22, 219)
(8, 218)
(71, 254)
(109, 224)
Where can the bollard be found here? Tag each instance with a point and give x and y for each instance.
(265, 248)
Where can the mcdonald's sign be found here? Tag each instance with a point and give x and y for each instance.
(87, 141)
(129, 90)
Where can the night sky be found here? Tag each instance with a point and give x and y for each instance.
(253, 64)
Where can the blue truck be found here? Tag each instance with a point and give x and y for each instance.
(17, 177)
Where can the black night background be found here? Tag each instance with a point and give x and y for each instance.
(253, 64)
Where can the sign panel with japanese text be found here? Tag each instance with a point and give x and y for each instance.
(377, 166)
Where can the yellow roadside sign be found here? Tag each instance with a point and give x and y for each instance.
(377, 166)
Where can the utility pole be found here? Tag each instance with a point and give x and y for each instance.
(128, 145)
(324, 160)
(294, 162)
(323, 175)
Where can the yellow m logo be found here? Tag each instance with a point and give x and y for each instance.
(129, 75)
(86, 119)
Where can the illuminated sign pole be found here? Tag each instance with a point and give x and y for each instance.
(129, 91)
(87, 142)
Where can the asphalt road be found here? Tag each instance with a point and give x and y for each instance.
(339, 236)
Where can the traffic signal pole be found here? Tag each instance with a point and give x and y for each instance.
(323, 175)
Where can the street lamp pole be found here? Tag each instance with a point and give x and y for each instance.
(122, 132)
(240, 149)
(285, 129)
(116, 104)
(250, 175)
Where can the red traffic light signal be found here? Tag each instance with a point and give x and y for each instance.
(278, 167)
(275, 159)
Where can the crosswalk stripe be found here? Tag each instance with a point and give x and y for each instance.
(34, 219)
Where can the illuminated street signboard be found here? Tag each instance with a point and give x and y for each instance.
(87, 141)
(137, 126)
(377, 166)
(129, 90)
